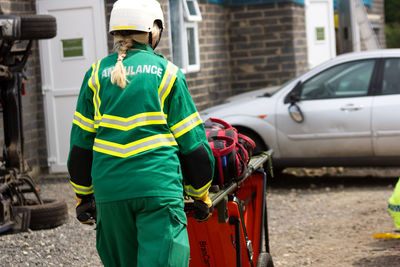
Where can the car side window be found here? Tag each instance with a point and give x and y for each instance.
(350, 79)
(391, 77)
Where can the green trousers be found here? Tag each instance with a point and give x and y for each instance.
(143, 232)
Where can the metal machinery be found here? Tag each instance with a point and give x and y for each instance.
(21, 206)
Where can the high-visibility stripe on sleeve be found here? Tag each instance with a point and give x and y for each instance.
(186, 125)
(191, 191)
(394, 208)
(94, 84)
(80, 189)
(167, 82)
(133, 148)
(126, 124)
(83, 122)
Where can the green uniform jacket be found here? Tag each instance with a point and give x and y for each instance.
(138, 134)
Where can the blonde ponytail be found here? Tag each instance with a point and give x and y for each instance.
(122, 43)
(118, 75)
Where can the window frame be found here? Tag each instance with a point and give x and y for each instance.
(180, 51)
(191, 67)
(188, 16)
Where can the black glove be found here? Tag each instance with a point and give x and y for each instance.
(203, 208)
(86, 209)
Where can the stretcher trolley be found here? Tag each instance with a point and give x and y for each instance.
(237, 232)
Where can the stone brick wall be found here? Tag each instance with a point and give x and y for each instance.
(267, 45)
(212, 83)
(33, 114)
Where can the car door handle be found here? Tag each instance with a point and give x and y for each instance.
(351, 107)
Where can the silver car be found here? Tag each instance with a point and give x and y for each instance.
(344, 112)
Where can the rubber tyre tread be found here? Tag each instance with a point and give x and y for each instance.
(35, 27)
(265, 260)
(51, 214)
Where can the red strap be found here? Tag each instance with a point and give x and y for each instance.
(225, 151)
(221, 122)
(248, 139)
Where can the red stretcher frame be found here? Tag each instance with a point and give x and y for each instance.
(217, 241)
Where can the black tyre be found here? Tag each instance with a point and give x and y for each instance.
(35, 27)
(50, 214)
(264, 260)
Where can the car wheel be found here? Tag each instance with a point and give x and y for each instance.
(50, 214)
(264, 260)
(260, 146)
(37, 27)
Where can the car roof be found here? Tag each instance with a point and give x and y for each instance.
(371, 53)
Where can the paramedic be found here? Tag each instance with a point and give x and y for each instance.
(135, 135)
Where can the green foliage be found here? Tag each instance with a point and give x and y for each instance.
(392, 32)
(392, 14)
(392, 20)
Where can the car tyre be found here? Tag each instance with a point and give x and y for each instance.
(38, 27)
(50, 214)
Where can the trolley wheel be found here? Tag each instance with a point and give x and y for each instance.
(38, 27)
(264, 260)
(50, 214)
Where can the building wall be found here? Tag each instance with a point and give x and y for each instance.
(267, 44)
(212, 83)
(33, 114)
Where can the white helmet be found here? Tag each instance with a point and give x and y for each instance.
(137, 15)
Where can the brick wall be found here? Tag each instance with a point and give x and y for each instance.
(33, 114)
(267, 45)
(213, 83)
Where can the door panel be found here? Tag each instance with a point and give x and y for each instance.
(386, 112)
(331, 128)
(337, 114)
(81, 40)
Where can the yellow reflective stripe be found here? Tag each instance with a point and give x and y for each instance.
(95, 86)
(124, 28)
(135, 147)
(167, 82)
(191, 191)
(83, 190)
(186, 125)
(83, 122)
(126, 124)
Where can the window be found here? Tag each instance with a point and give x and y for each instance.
(192, 10)
(184, 16)
(391, 77)
(350, 79)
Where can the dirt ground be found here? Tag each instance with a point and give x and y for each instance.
(327, 217)
(317, 217)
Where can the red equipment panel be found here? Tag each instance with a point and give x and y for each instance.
(213, 243)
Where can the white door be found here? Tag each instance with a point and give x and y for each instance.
(320, 30)
(337, 114)
(81, 40)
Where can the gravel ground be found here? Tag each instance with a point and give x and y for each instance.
(317, 217)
